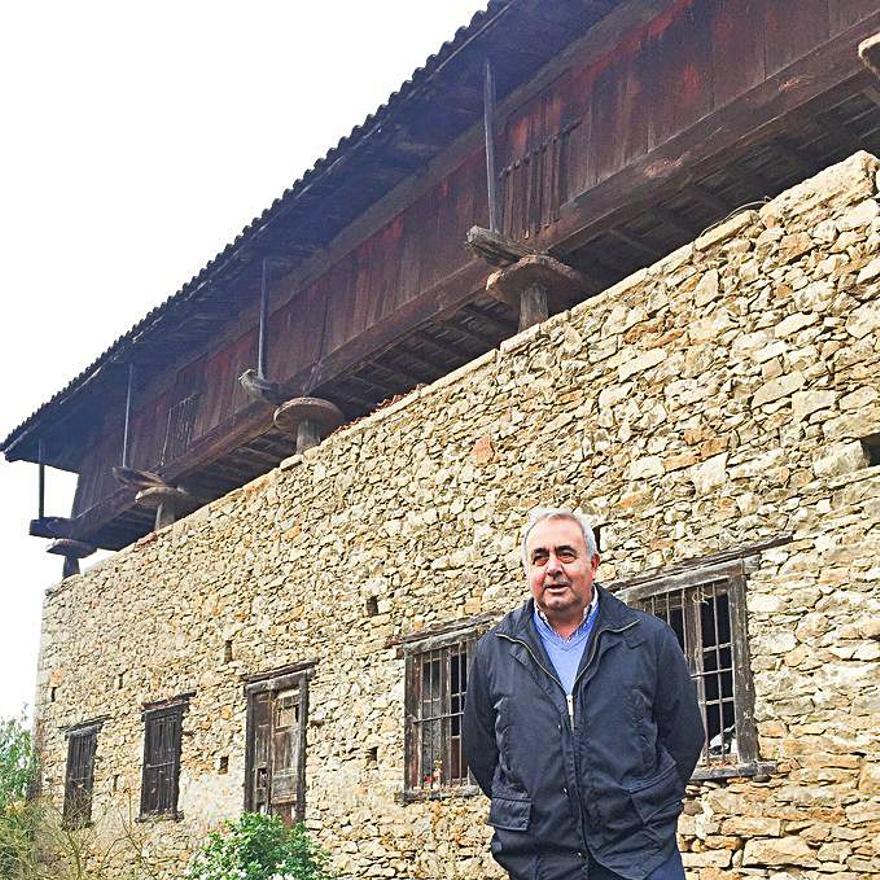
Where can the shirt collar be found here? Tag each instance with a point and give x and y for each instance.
(594, 602)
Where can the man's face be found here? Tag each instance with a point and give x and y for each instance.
(560, 571)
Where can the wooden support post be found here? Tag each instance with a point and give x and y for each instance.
(41, 490)
(166, 515)
(70, 567)
(127, 415)
(536, 286)
(489, 129)
(533, 308)
(262, 346)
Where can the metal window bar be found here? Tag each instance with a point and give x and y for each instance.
(441, 676)
(700, 617)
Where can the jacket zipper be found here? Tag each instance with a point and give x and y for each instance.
(569, 698)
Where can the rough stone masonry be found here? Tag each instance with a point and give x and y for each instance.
(725, 396)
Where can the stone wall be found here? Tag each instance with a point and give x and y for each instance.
(716, 399)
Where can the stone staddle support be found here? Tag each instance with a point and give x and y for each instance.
(72, 551)
(309, 419)
(535, 286)
(169, 502)
(869, 52)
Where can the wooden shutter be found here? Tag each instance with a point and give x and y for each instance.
(161, 771)
(259, 740)
(275, 769)
(285, 753)
(79, 778)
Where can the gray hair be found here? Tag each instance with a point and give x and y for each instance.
(539, 514)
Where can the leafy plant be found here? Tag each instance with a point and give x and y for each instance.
(259, 847)
(18, 817)
(34, 842)
(17, 761)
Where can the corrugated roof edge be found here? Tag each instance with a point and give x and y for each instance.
(197, 283)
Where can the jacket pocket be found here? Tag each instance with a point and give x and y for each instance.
(512, 845)
(510, 814)
(658, 798)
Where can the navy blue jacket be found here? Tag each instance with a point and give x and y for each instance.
(605, 774)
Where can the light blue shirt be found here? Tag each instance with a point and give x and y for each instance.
(565, 654)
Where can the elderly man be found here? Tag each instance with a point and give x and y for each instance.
(581, 722)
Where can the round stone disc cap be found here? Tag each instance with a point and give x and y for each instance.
(70, 548)
(290, 414)
(156, 495)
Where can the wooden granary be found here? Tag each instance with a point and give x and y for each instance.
(612, 132)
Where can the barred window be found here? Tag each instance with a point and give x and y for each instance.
(179, 427)
(79, 776)
(436, 684)
(706, 610)
(161, 770)
(438, 680)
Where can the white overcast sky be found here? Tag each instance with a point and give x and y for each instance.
(138, 139)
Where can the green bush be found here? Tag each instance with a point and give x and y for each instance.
(18, 817)
(259, 847)
(17, 762)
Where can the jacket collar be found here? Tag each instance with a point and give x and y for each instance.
(613, 614)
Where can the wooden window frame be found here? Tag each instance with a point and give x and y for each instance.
(723, 578)
(290, 678)
(152, 716)
(441, 642)
(82, 740)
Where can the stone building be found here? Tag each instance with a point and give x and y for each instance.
(299, 641)
(718, 415)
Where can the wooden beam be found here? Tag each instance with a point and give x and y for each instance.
(507, 328)
(668, 218)
(873, 93)
(485, 343)
(353, 400)
(631, 241)
(264, 457)
(718, 206)
(432, 366)
(444, 345)
(496, 248)
(839, 131)
(795, 156)
(50, 527)
(374, 385)
(411, 379)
